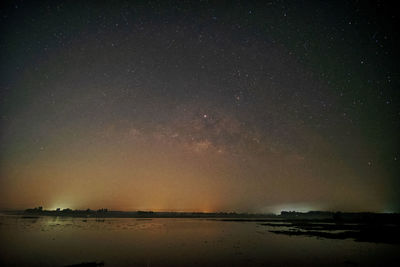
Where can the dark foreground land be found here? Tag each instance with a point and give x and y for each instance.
(87, 264)
(361, 227)
(363, 232)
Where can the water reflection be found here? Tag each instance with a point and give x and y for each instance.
(61, 241)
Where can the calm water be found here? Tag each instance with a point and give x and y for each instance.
(59, 241)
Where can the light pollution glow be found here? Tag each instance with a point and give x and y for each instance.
(194, 108)
(182, 168)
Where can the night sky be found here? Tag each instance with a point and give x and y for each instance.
(247, 106)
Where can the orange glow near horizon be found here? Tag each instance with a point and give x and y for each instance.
(175, 176)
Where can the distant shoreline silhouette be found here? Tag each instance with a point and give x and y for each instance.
(106, 213)
(323, 216)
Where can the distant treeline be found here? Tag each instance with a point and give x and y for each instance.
(141, 214)
(41, 210)
(356, 217)
(337, 217)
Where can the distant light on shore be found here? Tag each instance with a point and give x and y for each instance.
(61, 207)
(299, 207)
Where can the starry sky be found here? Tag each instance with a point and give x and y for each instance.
(247, 106)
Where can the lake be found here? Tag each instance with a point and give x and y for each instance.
(61, 241)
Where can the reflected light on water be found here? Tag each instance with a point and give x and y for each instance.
(61, 241)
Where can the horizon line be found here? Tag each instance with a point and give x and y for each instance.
(192, 211)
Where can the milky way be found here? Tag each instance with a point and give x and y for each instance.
(167, 105)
